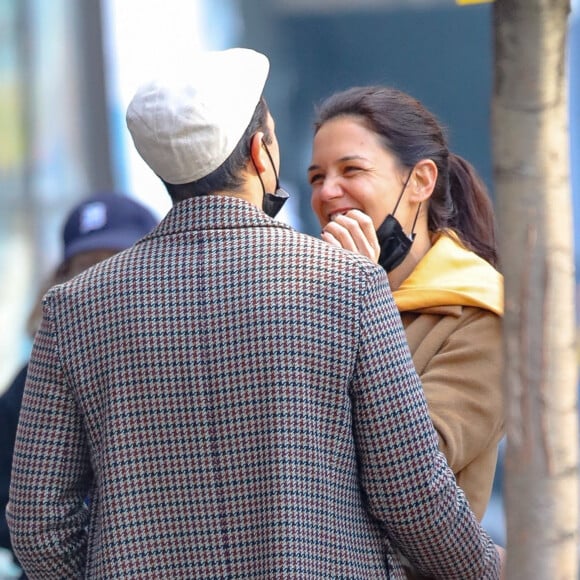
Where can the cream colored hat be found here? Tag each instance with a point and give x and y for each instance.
(186, 127)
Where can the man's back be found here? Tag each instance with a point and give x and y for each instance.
(219, 371)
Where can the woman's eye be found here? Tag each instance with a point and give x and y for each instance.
(315, 178)
(352, 169)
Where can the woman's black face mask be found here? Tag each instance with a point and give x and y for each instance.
(395, 244)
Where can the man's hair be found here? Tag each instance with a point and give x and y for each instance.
(228, 176)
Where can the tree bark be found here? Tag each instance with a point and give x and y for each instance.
(532, 182)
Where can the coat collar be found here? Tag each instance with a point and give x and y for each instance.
(212, 212)
(451, 275)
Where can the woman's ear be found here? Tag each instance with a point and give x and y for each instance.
(257, 152)
(423, 180)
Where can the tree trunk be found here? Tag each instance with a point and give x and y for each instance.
(532, 182)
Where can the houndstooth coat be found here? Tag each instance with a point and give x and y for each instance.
(231, 399)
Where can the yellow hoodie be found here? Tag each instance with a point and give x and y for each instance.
(451, 275)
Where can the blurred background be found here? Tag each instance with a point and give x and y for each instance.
(68, 70)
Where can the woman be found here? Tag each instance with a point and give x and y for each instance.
(385, 184)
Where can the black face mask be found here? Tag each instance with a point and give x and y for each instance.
(395, 244)
(272, 202)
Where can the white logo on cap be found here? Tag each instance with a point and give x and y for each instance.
(93, 217)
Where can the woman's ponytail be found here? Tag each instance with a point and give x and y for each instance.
(473, 216)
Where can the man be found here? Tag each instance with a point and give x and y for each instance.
(236, 398)
(95, 229)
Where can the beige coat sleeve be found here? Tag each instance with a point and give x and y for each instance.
(459, 361)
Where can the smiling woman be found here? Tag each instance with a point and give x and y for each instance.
(384, 180)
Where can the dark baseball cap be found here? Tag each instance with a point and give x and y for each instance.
(106, 221)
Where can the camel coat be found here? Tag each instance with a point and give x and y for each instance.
(451, 306)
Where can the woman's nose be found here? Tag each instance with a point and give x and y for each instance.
(330, 188)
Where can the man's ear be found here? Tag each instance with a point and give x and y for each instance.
(423, 180)
(257, 152)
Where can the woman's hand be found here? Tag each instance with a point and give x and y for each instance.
(353, 231)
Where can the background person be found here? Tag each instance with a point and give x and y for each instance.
(236, 398)
(95, 229)
(380, 161)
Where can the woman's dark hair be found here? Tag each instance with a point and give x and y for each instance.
(460, 200)
(228, 176)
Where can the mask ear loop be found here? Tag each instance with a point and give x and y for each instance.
(401, 194)
(260, 178)
(272, 163)
(412, 234)
(273, 167)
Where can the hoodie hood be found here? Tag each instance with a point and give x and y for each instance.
(451, 275)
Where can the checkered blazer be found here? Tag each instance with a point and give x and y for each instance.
(236, 400)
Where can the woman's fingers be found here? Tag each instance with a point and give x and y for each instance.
(329, 238)
(353, 231)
